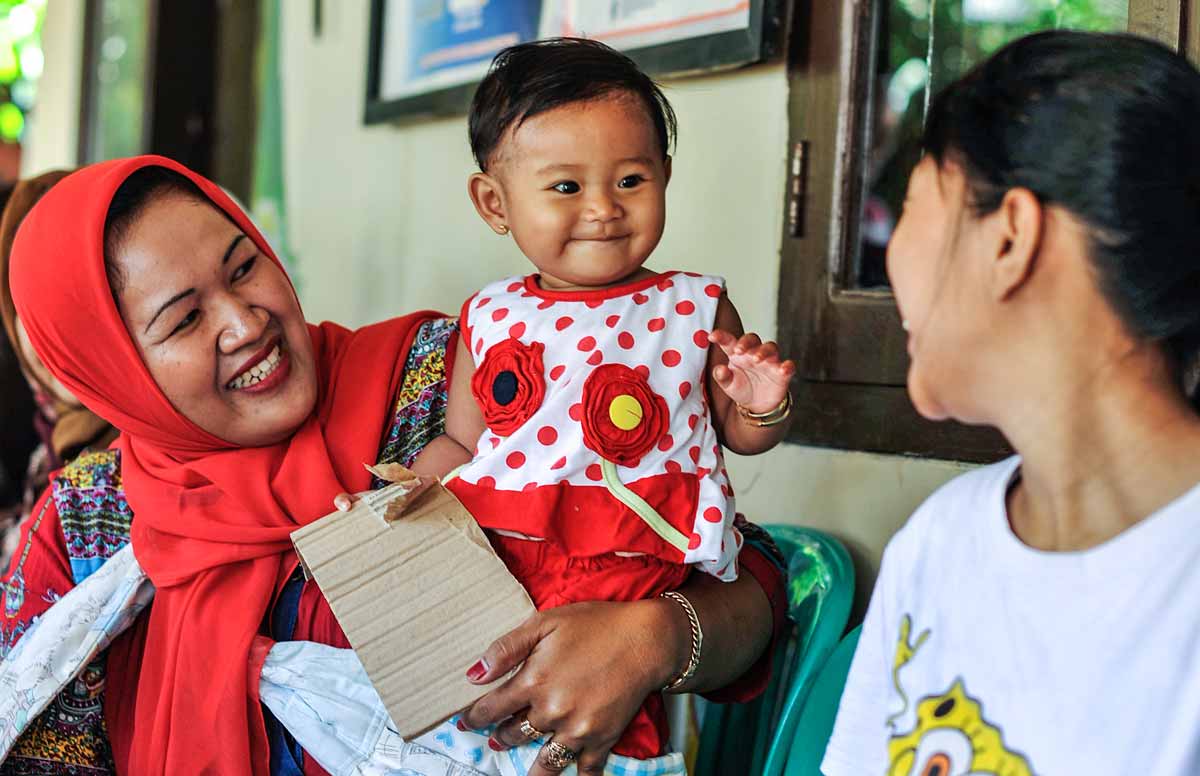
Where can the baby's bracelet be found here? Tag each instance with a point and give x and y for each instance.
(770, 417)
(697, 639)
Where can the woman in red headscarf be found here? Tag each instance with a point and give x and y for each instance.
(153, 299)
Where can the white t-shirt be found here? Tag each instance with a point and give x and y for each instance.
(981, 655)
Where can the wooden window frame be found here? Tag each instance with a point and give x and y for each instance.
(848, 344)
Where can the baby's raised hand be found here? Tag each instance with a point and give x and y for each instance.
(755, 378)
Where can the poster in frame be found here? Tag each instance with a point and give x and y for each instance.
(426, 56)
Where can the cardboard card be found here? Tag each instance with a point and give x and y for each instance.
(420, 594)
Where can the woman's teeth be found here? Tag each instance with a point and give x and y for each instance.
(258, 372)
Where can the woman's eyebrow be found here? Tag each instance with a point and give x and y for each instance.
(233, 244)
(169, 302)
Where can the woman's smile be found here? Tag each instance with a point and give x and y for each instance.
(264, 371)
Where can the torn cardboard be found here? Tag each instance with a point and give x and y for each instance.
(418, 591)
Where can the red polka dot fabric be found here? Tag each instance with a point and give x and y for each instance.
(542, 479)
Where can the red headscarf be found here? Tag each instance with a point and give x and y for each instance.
(212, 520)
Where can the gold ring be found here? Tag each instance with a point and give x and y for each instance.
(530, 732)
(558, 756)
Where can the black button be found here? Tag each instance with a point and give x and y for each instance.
(504, 388)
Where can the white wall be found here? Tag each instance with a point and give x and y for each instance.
(381, 224)
(52, 134)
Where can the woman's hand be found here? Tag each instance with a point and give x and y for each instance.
(584, 671)
(344, 502)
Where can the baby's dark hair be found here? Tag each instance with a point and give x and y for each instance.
(532, 78)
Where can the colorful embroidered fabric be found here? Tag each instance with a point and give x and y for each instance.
(92, 510)
(421, 404)
(68, 737)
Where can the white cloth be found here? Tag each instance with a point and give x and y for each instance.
(322, 696)
(982, 655)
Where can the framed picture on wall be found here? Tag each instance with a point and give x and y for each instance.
(426, 56)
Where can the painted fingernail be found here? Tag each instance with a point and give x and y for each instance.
(477, 671)
(494, 745)
(460, 725)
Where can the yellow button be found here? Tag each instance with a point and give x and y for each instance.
(625, 412)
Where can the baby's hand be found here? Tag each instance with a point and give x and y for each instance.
(755, 378)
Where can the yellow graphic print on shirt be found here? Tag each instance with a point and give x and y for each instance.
(951, 737)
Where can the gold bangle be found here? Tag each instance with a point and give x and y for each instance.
(770, 417)
(697, 639)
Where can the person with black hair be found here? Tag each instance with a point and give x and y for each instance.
(597, 386)
(1038, 615)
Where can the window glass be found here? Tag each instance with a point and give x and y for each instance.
(921, 46)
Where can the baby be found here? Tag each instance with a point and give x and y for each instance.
(594, 396)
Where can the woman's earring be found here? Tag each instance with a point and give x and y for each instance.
(503, 230)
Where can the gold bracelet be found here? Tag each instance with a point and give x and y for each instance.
(770, 417)
(697, 639)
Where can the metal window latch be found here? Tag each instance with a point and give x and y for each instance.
(797, 188)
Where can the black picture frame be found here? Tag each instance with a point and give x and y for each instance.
(761, 40)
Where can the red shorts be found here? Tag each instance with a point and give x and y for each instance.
(554, 579)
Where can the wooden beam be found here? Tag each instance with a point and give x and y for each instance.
(1158, 19)
(1191, 17)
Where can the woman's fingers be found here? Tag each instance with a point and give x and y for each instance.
(507, 652)
(343, 502)
(510, 734)
(575, 685)
(592, 759)
(499, 704)
(558, 754)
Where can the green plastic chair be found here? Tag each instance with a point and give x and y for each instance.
(807, 747)
(737, 738)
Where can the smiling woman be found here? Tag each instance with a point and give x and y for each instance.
(223, 294)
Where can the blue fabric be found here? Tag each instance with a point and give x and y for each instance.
(287, 756)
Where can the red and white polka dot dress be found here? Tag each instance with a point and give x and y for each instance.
(598, 434)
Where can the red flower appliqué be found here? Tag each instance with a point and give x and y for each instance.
(622, 417)
(510, 384)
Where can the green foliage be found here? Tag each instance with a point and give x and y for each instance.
(960, 43)
(20, 62)
(908, 63)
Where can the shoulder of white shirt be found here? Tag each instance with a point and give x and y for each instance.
(969, 496)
